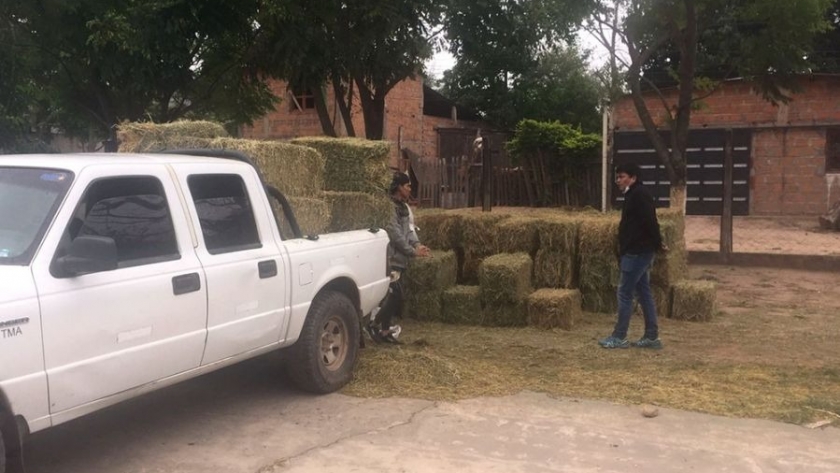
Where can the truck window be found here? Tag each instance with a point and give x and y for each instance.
(29, 198)
(224, 212)
(134, 212)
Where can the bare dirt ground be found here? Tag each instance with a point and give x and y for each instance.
(778, 235)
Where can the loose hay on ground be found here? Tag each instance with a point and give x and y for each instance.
(353, 164)
(554, 308)
(462, 305)
(358, 210)
(693, 300)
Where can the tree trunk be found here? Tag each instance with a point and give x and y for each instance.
(323, 114)
(373, 109)
(678, 192)
(345, 102)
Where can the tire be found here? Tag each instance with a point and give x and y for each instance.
(324, 356)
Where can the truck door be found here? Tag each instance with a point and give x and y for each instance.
(245, 270)
(109, 331)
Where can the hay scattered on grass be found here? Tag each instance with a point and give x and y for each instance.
(693, 300)
(137, 137)
(353, 164)
(358, 210)
(554, 308)
(462, 305)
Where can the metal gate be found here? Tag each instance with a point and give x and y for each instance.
(704, 173)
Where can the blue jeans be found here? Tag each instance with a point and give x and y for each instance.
(635, 278)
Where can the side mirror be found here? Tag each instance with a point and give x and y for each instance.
(89, 254)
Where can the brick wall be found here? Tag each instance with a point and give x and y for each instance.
(788, 144)
(405, 124)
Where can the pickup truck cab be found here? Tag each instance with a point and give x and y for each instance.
(124, 273)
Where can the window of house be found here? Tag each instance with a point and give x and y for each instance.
(133, 211)
(302, 99)
(832, 150)
(224, 212)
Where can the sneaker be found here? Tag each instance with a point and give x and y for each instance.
(373, 332)
(392, 335)
(614, 342)
(645, 342)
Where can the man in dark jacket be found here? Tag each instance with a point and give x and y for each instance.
(403, 245)
(639, 239)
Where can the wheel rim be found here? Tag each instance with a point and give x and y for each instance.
(334, 343)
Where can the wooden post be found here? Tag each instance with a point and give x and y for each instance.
(486, 175)
(726, 215)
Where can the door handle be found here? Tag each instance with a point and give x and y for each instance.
(186, 283)
(268, 268)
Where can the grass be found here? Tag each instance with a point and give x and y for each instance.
(756, 362)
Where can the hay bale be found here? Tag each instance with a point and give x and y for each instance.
(295, 170)
(555, 264)
(669, 268)
(599, 273)
(478, 241)
(518, 235)
(137, 137)
(554, 269)
(661, 299)
(312, 215)
(550, 308)
(505, 279)
(424, 283)
(603, 300)
(434, 273)
(439, 229)
(353, 164)
(505, 315)
(693, 300)
(462, 305)
(358, 210)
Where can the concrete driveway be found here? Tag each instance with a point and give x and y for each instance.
(244, 420)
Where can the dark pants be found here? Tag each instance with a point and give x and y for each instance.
(392, 306)
(635, 279)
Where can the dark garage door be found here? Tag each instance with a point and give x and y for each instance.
(704, 169)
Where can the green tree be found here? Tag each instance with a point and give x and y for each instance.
(106, 61)
(501, 46)
(693, 43)
(369, 45)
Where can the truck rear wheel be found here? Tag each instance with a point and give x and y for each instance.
(323, 358)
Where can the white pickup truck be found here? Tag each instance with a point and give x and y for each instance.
(124, 273)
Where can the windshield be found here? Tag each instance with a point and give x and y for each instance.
(29, 197)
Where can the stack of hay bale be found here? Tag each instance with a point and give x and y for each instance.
(356, 179)
(573, 263)
(353, 171)
(426, 282)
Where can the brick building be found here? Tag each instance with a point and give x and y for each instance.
(791, 151)
(414, 115)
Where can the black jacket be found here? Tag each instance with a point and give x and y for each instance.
(638, 231)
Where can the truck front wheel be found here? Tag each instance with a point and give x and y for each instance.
(323, 358)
